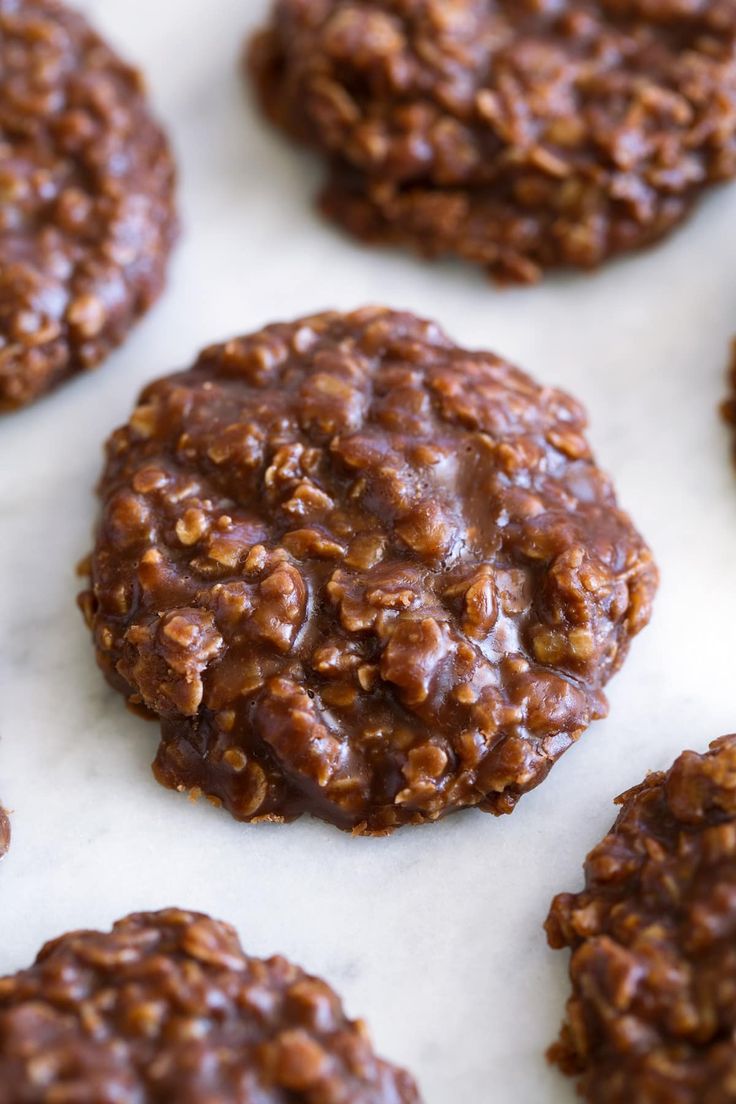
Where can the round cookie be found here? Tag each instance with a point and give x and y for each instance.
(361, 572)
(167, 1007)
(652, 1018)
(86, 199)
(517, 134)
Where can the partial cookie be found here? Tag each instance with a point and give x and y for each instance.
(5, 833)
(86, 199)
(168, 1007)
(516, 134)
(729, 406)
(360, 572)
(652, 1018)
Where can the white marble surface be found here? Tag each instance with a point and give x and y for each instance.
(435, 934)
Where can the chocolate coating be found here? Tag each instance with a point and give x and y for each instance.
(167, 1007)
(86, 199)
(652, 1018)
(361, 572)
(520, 135)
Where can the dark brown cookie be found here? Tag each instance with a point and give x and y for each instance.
(518, 134)
(167, 1007)
(652, 1019)
(361, 572)
(86, 199)
(5, 833)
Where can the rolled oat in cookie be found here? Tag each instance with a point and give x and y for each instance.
(358, 571)
(520, 135)
(86, 199)
(168, 1007)
(652, 1017)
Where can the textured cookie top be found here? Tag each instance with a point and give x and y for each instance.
(653, 1012)
(167, 1007)
(520, 134)
(360, 571)
(86, 208)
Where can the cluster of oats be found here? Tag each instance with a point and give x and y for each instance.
(653, 1010)
(86, 199)
(167, 1006)
(517, 135)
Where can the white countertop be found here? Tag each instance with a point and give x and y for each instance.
(434, 935)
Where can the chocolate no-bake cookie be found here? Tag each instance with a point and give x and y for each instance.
(361, 572)
(86, 199)
(652, 1019)
(167, 1007)
(517, 134)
